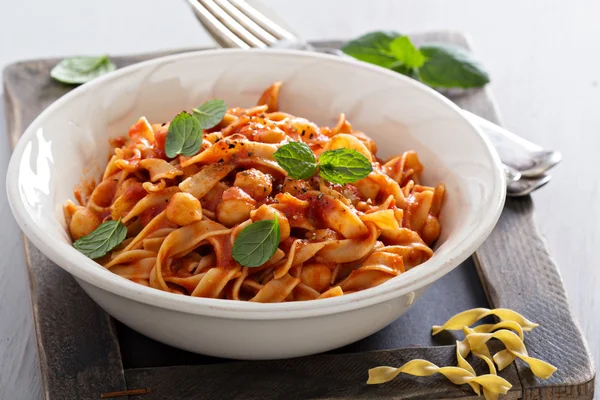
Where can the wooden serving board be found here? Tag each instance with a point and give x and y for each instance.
(83, 352)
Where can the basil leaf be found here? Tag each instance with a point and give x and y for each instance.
(297, 159)
(405, 52)
(210, 113)
(404, 70)
(184, 136)
(373, 48)
(344, 166)
(77, 70)
(102, 240)
(255, 245)
(451, 67)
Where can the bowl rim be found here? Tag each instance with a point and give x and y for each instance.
(86, 269)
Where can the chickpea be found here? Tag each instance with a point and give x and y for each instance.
(317, 276)
(254, 182)
(235, 207)
(183, 209)
(267, 212)
(83, 222)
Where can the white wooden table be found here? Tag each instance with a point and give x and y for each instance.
(543, 56)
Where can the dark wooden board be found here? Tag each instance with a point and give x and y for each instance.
(340, 376)
(538, 292)
(83, 354)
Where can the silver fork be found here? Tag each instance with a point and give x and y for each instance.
(236, 24)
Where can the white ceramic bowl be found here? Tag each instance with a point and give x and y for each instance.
(69, 139)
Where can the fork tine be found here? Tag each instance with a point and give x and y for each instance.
(246, 22)
(218, 31)
(252, 13)
(230, 23)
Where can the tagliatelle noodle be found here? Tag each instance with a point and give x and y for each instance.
(184, 213)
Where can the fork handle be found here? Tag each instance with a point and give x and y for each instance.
(526, 157)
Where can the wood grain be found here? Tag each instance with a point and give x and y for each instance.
(60, 307)
(81, 359)
(317, 377)
(558, 340)
(27, 98)
(19, 370)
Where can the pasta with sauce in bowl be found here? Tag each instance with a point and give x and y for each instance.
(176, 222)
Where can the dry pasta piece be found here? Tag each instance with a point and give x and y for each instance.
(463, 349)
(514, 345)
(476, 342)
(456, 375)
(504, 358)
(469, 317)
(488, 328)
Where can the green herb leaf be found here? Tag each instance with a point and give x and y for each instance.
(184, 136)
(373, 48)
(102, 240)
(344, 166)
(404, 70)
(297, 159)
(255, 245)
(210, 113)
(451, 67)
(78, 70)
(437, 65)
(405, 52)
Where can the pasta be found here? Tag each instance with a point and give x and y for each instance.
(469, 317)
(181, 215)
(514, 348)
(509, 331)
(456, 375)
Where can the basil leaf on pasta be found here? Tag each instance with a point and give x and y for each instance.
(210, 113)
(184, 136)
(81, 69)
(344, 166)
(297, 159)
(102, 239)
(255, 245)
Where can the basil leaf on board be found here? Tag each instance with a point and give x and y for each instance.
(81, 69)
(184, 136)
(102, 239)
(373, 48)
(437, 65)
(210, 113)
(255, 245)
(297, 159)
(406, 52)
(451, 67)
(404, 70)
(344, 166)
